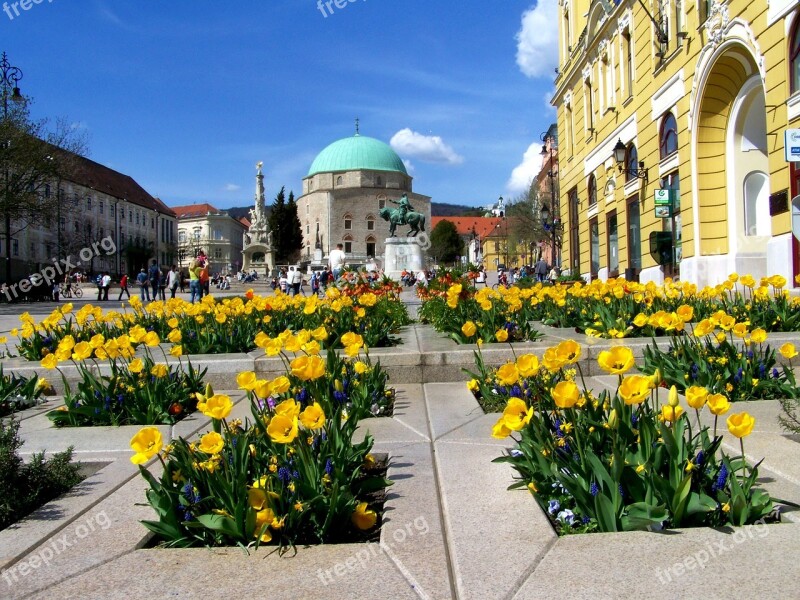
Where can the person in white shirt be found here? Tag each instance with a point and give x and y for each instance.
(283, 282)
(105, 283)
(294, 280)
(422, 279)
(173, 280)
(336, 261)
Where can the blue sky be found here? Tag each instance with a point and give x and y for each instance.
(187, 96)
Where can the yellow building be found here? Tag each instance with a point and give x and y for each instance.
(696, 99)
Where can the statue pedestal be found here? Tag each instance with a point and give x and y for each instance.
(402, 254)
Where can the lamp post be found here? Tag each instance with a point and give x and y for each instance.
(549, 149)
(552, 224)
(9, 78)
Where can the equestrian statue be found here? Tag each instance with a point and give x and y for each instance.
(404, 214)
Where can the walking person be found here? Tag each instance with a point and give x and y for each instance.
(105, 284)
(173, 279)
(541, 270)
(336, 261)
(144, 291)
(123, 287)
(154, 275)
(295, 279)
(194, 281)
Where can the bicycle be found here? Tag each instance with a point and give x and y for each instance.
(71, 291)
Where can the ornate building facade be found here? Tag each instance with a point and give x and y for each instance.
(671, 120)
(203, 227)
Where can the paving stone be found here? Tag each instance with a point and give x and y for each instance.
(752, 562)
(495, 536)
(412, 534)
(449, 407)
(410, 408)
(199, 573)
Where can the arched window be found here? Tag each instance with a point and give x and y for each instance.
(668, 138)
(370, 222)
(631, 163)
(348, 222)
(794, 59)
(756, 205)
(339, 180)
(371, 246)
(348, 244)
(592, 189)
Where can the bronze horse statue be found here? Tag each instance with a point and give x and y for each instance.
(413, 219)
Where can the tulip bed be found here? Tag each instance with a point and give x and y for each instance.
(291, 475)
(18, 393)
(613, 309)
(452, 305)
(227, 326)
(618, 461)
(137, 391)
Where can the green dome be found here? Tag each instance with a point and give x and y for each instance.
(357, 153)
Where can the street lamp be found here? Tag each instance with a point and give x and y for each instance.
(636, 169)
(553, 225)
(9, 78)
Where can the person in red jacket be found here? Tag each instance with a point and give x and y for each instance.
(123, 287)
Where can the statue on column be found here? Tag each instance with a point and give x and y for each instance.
(258, 216)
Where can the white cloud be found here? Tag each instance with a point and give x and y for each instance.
(525, 172)
(427, 148)
(409, 166)
(232, 187)
(537, 40)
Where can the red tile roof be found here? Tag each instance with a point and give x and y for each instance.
(245, 221)
(195, 210)
(98, 177)
(483, 226)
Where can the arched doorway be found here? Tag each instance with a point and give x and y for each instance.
(731, 213)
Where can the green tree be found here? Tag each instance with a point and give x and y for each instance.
(287, 235)
(525, 226)
(294, 233)
(277, 225)
(34, 155)
(446, 245)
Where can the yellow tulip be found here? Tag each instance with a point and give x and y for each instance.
(246, 380)
(282, 430)
(501, 335)
(146, 444)
(671, 413)
(500, 430)
(211, 443)
(217, 406)
(569, 351)
(517, 414)
(508, 374)
(313, 417)
(718, 404)
(741, 424)
(363, 517)
(528, 365)
(696, 396)
(634, 389)
(788, 351)
(288, 408)
(616, 361)
(49, 361)
(565, 394)
(469, 329)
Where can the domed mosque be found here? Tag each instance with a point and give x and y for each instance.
(347, 185)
